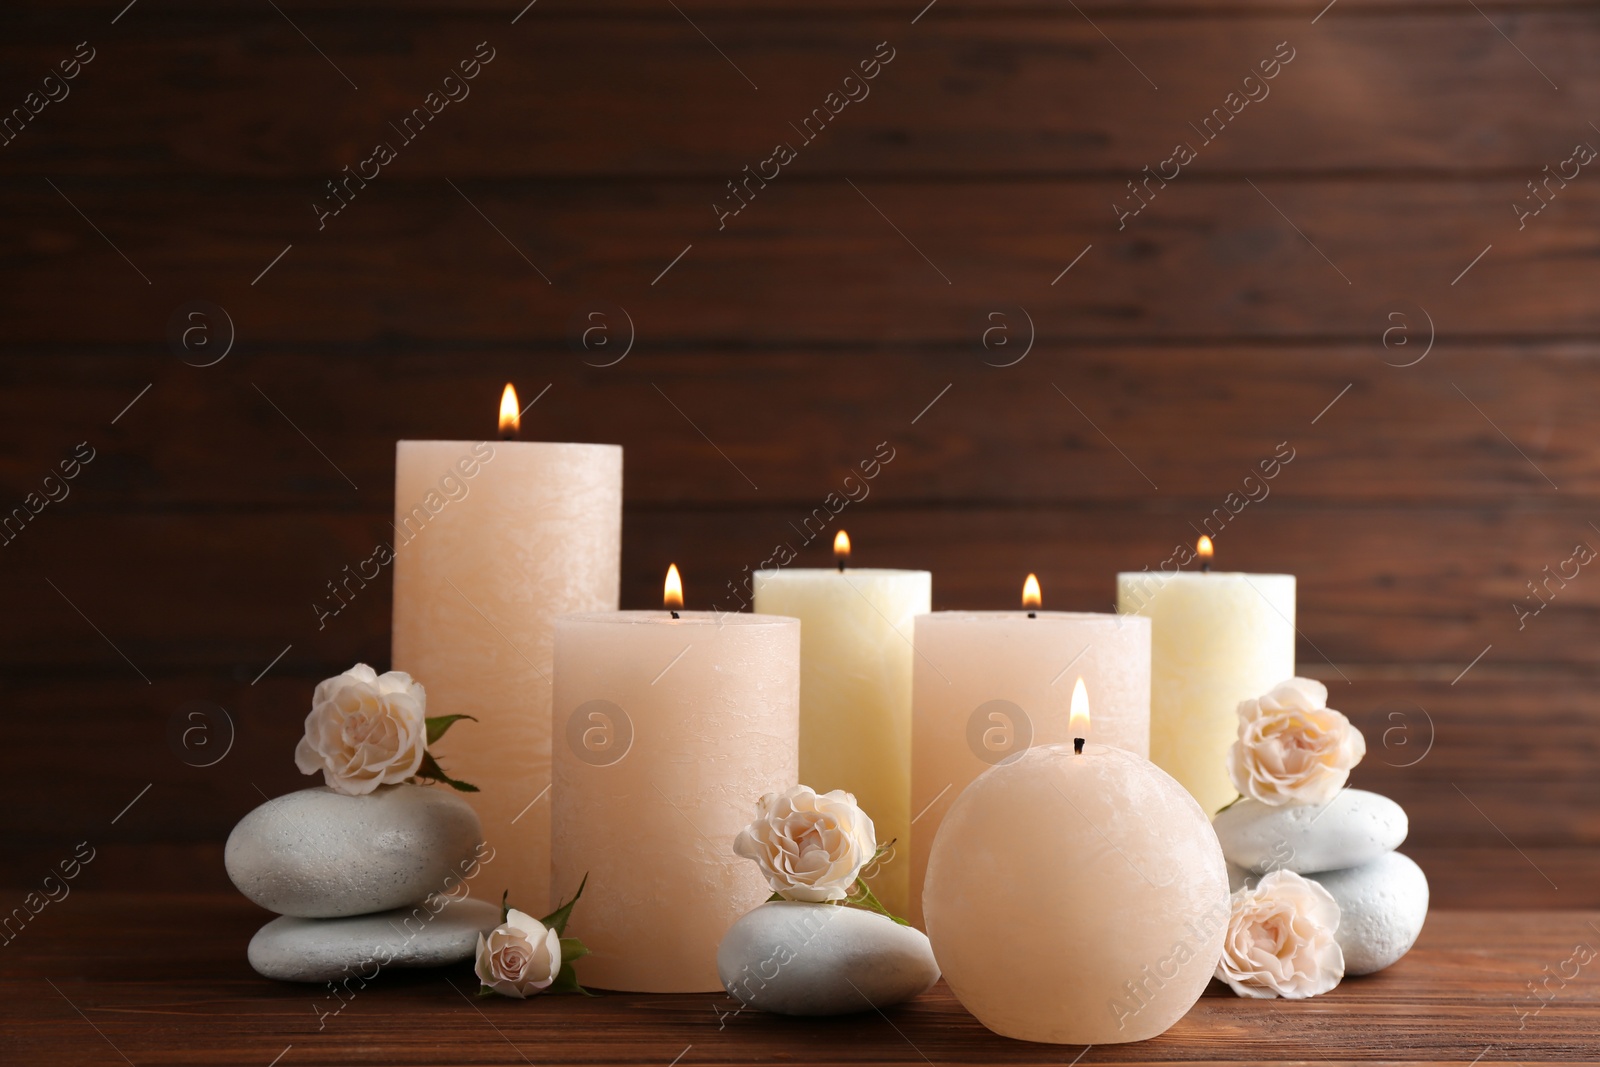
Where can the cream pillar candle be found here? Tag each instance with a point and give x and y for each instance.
(669, 730)
(987, 685)
(855, 692)
(1216, 639)
(1077, 897)
(493, 541)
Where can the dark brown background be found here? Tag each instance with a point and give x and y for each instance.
(797, 339)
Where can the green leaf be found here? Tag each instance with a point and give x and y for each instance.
(864, 898)
(567, 982)
(776, 896)
(572, 949)
(558, 918)
(1228, 805)
(430, 769)
(438, 724)
(505, 907)
(485, 991)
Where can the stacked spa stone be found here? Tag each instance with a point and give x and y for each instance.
(361, 883)
(795, 958)
(1348, 845)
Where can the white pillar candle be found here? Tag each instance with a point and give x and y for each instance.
(989, 684)
(855, 692)
(668, 732)
(1216, 639)
(494, 540)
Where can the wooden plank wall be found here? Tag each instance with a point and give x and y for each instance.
(1340, 266)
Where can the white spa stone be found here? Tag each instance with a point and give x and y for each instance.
(1353, 828)
(355, 950)
(319, 854)
(1240, 877)
(1382, 906)
(822, 959)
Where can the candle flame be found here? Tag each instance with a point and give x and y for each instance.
(1205, 549)
(841, 547)
(672, 593)
(1079, 719)
(510, 414)
(1031, 597)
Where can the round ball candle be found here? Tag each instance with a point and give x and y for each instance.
(670, 726)
(1076, 897)
(855, 690)
(494, 540)
(986, 685)
(1216, 639)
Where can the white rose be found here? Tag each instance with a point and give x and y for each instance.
(810, 846)
(364, 730)
(1280, 940)
(1292, 747)
(520, 957)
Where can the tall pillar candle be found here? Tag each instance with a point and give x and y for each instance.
(989, 685)
(855, 692)
(493, 541)
(668, 732)
(1216, 639)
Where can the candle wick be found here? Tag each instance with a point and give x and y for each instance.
(1077, 745)
(1205, 565)
(674, 614)
(841, 566)
(1033, 614)
(509, 434)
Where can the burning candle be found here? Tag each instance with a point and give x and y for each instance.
(1076, 895)
(987, 685)
(855, 690)
(1216, 639)
(493, 541)
(670, 725)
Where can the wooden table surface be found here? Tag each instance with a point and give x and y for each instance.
(153, 979)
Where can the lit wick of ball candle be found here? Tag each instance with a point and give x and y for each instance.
(841, 549)
(1078, 719)
(672, 591)
(510, 415)
(1031, 597)
(1206, 550)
